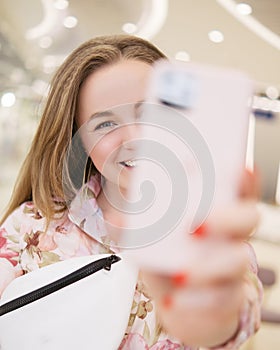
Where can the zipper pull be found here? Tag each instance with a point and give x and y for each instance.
(109, 261)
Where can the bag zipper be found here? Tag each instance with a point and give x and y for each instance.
(87, 270)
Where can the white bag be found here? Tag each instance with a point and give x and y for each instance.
(89, 314)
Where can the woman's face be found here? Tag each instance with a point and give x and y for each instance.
(108, 106)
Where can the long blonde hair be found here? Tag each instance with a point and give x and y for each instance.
(40, 178)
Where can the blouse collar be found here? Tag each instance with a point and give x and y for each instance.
(85, 213)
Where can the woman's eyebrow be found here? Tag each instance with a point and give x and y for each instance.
(107, 113)
(110, 113)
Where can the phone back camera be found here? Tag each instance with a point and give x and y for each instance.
(176, 89)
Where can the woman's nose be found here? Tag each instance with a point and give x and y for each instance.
(130, 134)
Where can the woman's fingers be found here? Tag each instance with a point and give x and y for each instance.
(250, 185)
(218, 263)
(200, 305)
(238, 221)
(210, 263)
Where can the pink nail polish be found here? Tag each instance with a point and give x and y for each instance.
(179, 279)
(201, 231)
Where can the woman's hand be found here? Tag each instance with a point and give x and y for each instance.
(201, 305)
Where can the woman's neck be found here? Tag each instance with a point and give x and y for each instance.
(112, 201)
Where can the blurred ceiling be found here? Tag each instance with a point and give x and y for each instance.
(28, 24)
(36, 35)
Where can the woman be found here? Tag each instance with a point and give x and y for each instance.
(41, 227)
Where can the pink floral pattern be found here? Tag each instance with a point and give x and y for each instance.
(5, 252)
(25, 246)
(135, 341)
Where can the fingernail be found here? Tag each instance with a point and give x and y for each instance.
(179, 279)
(167, 301)
(200, 231)
(250, 172)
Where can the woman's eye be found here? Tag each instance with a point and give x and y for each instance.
(107, 124)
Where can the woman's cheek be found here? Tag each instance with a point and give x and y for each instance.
(104, 152)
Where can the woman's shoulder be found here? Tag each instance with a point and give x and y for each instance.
(25, 211)
(28, 215)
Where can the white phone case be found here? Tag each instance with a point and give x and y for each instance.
(190, 158)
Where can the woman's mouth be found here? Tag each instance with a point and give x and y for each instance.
(128, 163)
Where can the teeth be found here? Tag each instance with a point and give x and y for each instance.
(130, 163)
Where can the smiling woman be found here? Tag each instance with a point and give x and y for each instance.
(26, 67)
(97, 94)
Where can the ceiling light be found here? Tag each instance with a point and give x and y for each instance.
(61, 4)
(182, 56)
(272, 92)
(48, 23)
(152, 19)
(8, 99)
(216, 36)
(275, 106)
(129, 28)
(252, 23)
(45, 42)
(266, 104)
(70, 22)
(244, 9)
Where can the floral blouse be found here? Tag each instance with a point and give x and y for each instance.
(25, 246)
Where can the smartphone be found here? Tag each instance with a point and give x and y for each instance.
(189, 158)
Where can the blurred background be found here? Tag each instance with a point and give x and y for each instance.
(37, 35)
